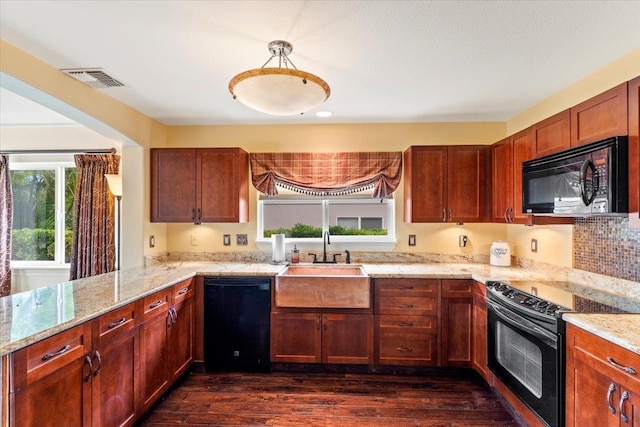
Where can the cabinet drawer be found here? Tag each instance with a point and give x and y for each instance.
(119, 320)
(408, 350)
(408, 306)
(183, 291)
(406, 287)
(457, 288)
(42, 358)
(156, 303)
(610, 354)
(407, 324)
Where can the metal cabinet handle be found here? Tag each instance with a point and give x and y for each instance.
(117, 323)
(405, 324)
(405, 305)
(506, 215)
(623, 416)
(450, 214)
(87, 377)
(510, 215)
(198, 219)
(627, 369)
(183, 291)
(444, 215)
(99, 359)
(57, 353)
(156, 304)
(405, 349)
(610, 391)
(324, 322)
(193, 215)
(173, 316)
(403, 288)
(318, 323)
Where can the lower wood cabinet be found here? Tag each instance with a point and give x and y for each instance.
(51, 381)
(312, 337)
(115, 389)
(480, 331)
(602, 382)
(406, 317)
(166, 339)
(457, 322)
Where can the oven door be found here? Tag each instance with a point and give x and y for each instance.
(525, 358)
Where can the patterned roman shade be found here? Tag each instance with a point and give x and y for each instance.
(327, 174)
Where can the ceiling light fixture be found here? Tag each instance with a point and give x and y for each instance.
(280, 91)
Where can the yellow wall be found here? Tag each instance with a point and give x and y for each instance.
(432, 238)
(554, 241)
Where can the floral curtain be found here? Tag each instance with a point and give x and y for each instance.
(6, 222)
(327, 174)
(93, 224)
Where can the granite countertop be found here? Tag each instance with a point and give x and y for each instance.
(620, 329)
(31, 316)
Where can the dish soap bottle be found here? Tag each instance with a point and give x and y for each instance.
(295, 256)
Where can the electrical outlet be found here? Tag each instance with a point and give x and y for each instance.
(463, 240)
(226, 240)
(534, 245)
(194, 240)
(412, 239)
(152, 241)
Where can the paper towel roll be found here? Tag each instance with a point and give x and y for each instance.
(277, 247)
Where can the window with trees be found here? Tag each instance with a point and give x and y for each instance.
(347, 218)
(43, 205)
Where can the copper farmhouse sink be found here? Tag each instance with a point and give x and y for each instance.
(323, 286)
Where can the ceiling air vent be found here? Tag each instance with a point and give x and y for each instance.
(94, 77)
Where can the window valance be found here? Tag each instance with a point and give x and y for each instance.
(327, 174)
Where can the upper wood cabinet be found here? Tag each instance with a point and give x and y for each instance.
(634, 145)
(199, 185)
(552, 134)
(507, 157)
(600, 117)
(447, 183)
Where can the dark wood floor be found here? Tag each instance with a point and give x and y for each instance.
(435, 398)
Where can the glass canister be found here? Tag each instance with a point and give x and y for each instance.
(500, 254)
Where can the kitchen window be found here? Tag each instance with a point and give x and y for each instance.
(43, 204)
(353, 221)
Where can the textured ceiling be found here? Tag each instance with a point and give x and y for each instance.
(386, 61)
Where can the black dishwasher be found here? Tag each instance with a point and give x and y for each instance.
(236, 323)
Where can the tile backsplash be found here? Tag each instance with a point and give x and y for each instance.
(607, 245)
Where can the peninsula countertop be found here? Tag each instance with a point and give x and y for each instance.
(31, 316)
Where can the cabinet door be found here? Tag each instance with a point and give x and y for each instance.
(480, 331)
(600, 117)
(51, 381)
(181, 330)
(296, 337)
(521, 148)
(425, 184)
(222, 188)
(173, 185)
(347, 338)
(457, 322)
(634, 145)
(591, 396)
(115, 388)
(502, 177)
(469, 183)
(552, 134)
(154, 338)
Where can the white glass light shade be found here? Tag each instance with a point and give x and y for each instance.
(279, 91)
(115, 184)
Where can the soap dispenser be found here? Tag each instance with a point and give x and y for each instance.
(295, 256)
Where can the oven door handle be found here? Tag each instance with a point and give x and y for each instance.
(521, 323)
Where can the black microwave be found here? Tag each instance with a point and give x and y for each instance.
(591, 179)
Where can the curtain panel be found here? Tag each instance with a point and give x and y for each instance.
(93, 249)
(6, 224)
(327, 174)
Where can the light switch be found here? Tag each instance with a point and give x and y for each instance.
(194, 240)
(534, 245)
